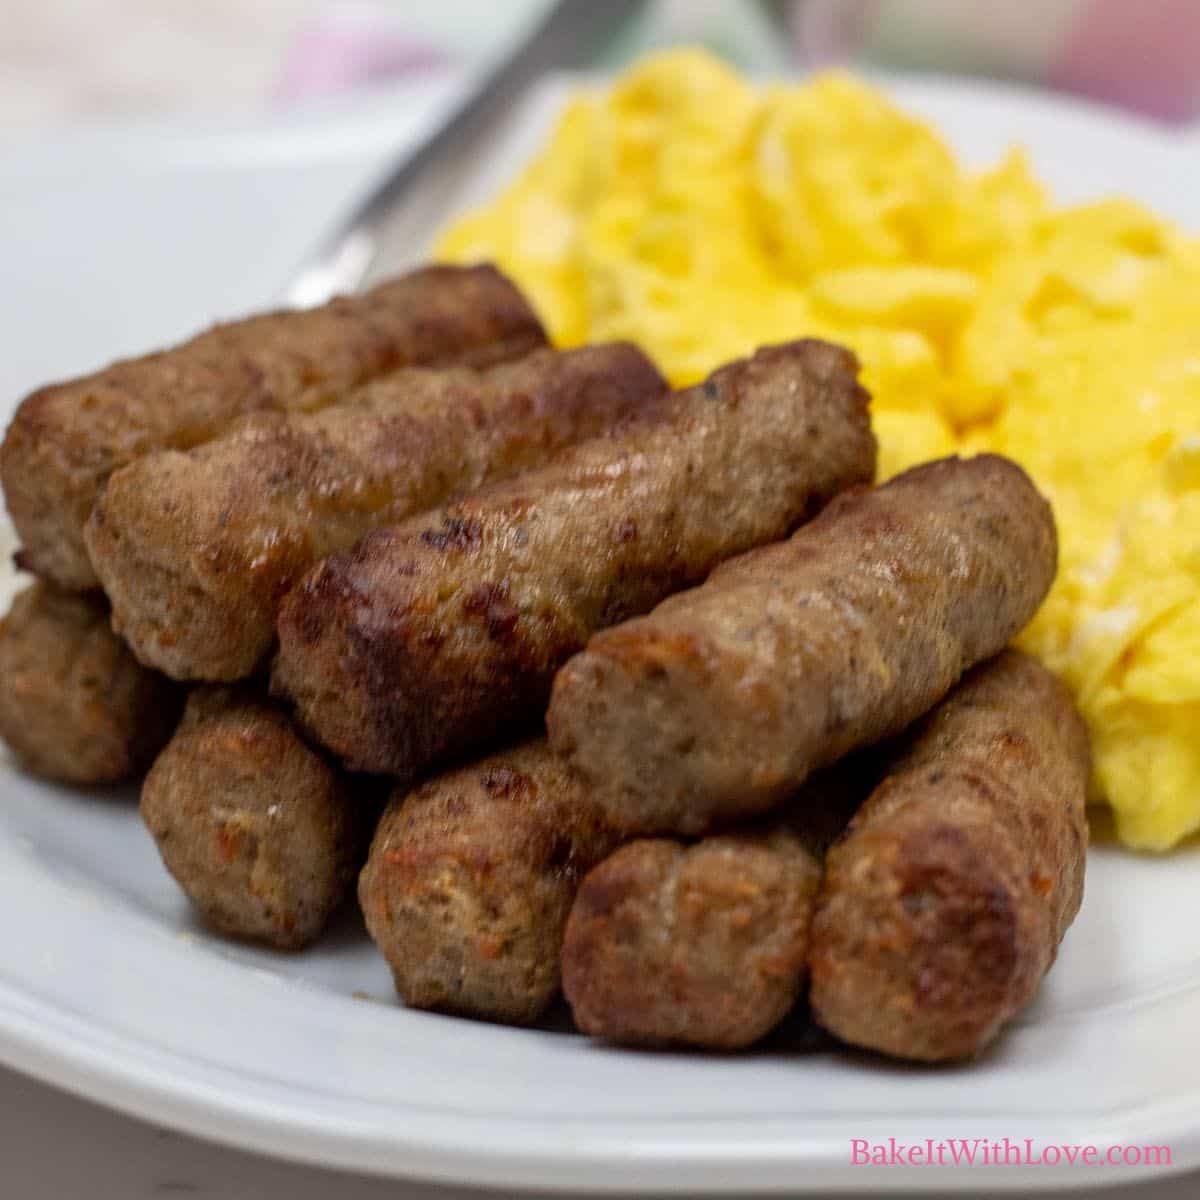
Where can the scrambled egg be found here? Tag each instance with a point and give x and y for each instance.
(701, 217)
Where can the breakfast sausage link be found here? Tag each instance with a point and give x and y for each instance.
(196, 550)
(67, 439)
(944, 905)
(722, 701)
(470, 878)
(431, 638)
(259, 831)
(704, 944)
(75, 705)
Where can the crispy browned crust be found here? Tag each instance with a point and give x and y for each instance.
(261, 833)
(432, 638)
(944, 905)
(723, 700)
(196, 550)
(705, 944)
(75, 705)
(66, 439)
(470, 878)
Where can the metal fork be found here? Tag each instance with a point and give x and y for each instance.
(565, 37)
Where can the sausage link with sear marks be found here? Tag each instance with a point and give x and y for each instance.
(705, 944)
(722, 701)
(75, 705)
(262, 833)
(470, 879)
(943, 906)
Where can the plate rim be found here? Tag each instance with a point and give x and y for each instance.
(42, 1051)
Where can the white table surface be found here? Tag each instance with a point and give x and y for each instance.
(56, 1147)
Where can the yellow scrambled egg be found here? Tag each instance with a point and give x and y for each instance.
(701, 217)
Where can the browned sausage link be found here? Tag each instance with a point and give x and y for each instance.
(704, 945)
(75, 705)
(431, 638)
(197, 549)
(259, 831)
(66, 440)
(722, 701)
(470, 879)
(945, 904)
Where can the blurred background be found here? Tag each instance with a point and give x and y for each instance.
(71, 61)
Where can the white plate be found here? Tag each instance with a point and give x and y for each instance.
(114, 242)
